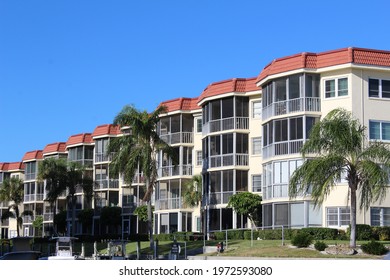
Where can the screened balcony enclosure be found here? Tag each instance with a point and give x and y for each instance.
(226, 114)
(296, 93)
(177, 129)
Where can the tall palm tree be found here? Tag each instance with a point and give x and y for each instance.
(64, 176)
(12, 191)
(340, 147)
(54, 172)
(137, 151)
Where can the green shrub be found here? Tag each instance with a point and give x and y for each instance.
(301, 239)
(320, 246)
(321, 233)
(363, 232)
(381, 233)
(374, 248)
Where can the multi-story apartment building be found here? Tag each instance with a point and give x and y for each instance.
(33, 190)
(296, 92)
(240, 135)
(7, 171)
(180, 127)
(106, 187)
(231, 147)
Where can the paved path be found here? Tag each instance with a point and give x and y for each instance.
(387, 257)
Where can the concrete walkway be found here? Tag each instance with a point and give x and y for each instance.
(387, 257)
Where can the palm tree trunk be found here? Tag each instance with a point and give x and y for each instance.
(73, 231)
(150, 224)
(352, 242)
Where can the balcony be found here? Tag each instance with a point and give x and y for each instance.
(279, 191)
(226, 124)
(178, 138)
(106, 184)
(30, 176)
(179, 170)
(304, 104)
(88, 163)
(229, 160)
(33, 197)
(48, 217)
(282, 148)
(168, 204)
(103, 157)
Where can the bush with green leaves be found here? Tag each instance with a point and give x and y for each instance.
(363, 232)
(321, 233)
(374, 248)
(381, 233)
(320, 246)
(301, 239)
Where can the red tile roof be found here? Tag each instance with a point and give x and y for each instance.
(4, 166)
(106, 129)
(82, 138)
(15, 166)
(326, 59)
(58, 147)
(229, 86)
(11, 166)
(182, 104)
(33, 155)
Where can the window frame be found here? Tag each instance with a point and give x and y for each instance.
(256, 114)
(380, 88)
(370, 122)
(339, 213)
(336, 87)
(257, 149)
(257, 178)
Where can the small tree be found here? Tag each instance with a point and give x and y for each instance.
(111, 216)
(38, 225)
(12, 191)
(60, 222)
(85, 217)
(249, 204)
(142, 212)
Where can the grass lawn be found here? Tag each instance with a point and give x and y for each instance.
(244, 248)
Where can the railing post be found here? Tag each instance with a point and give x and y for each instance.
(282, 235)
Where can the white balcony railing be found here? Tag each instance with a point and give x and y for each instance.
(283, 148)
(178, 138)
(239, 123)
(167, 204)
(106, 184)
(229, 160)
(103, 157)
(178, 170)
(33, 197)
(308, 104)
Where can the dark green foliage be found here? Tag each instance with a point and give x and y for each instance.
(246, 203)
(320, 246)
(111, 216)
(321, 233)
(60, 222)
(374, 248)
(142, 212)
(381, 233)
(85, 217)
(301, 239)
(363, 232)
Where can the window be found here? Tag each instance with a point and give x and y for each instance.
(380, 216)
(336, 87)
(256, 183)
(256, 146)
(198, 125)
(379, 130)
(198, 158)
(337, 216)
(379, 88)
(256, 109)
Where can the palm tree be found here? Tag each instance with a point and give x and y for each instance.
(137, 151)
(54, 171)
(340, 147)
(61, 176)
(12, 191)
(192, 194)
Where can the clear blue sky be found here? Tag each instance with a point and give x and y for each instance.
(67, 66)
